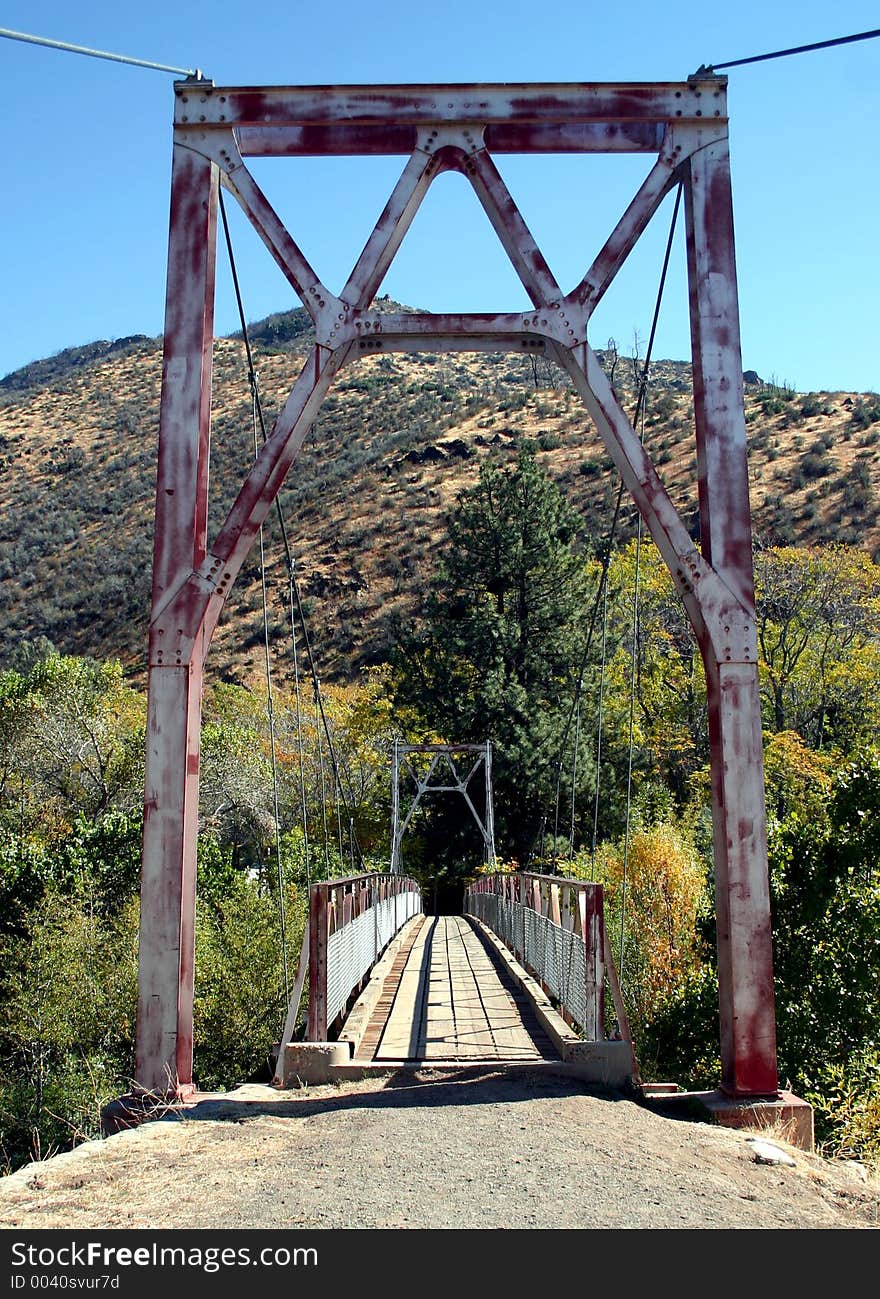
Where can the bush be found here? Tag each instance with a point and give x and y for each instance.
(240, 1003)
(66, 1045)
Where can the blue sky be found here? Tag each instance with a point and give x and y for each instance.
(83, 223)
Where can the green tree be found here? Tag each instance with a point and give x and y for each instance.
(819, 641)
(499, 647)
(67, 1029)
(825, 883)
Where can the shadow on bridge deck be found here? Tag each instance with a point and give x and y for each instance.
(448, 997)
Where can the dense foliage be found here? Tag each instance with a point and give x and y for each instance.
(819, 640)
(497, 651)
(71, 790)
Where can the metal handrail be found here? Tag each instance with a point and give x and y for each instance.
(351, 922)
(555, 927)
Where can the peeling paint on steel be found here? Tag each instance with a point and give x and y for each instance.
(440, 128)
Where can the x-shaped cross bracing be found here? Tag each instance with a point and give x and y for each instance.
(347, 329)
(463, 128)
(440, 756)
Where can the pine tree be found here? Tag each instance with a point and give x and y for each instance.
(498, 650)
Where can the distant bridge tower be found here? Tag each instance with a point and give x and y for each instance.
(479, 757)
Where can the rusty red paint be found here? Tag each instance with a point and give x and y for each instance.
(631, 226)
(333, 904)
(192, 578)
(394, 106)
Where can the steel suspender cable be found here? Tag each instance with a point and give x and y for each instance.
(319, 705)
(606, 559)
(599, 722)
(640, 416)
(299, 733)
(634, 652)
(270, 713)
(310, 660)
(326, 837)
(577, 736)
(257, 418)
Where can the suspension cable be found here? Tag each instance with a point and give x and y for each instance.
(194, 74)
(321, 716)
(310, 660)
(795, 49)
(326, 838)
(599, 723)
(270, 714)
(606, 557)
(634, 655)
(577, 736)
(257, 419)
(299, 735)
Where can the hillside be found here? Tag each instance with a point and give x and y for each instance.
(395, 441)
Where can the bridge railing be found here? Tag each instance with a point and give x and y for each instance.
(556, 929)
(351, 922)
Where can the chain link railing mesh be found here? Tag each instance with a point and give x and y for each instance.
(353, 949)
(554, 955)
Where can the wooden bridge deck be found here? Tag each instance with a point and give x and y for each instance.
(447, 997)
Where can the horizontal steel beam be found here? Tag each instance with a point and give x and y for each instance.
(343, 139)
(512, 106)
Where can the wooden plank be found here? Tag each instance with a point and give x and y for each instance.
(403, 1035)
(448, 1001)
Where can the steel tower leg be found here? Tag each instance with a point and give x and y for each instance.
(745, 962)
(165, 974)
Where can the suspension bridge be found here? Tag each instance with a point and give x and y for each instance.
(518, 979)
(522, 974)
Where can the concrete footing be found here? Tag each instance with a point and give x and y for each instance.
(787, 1115)
(783, 1115)
(311, 1062)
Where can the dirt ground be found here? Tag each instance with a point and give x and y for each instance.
(474, 1149)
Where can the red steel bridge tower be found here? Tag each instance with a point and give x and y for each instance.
(437, 128)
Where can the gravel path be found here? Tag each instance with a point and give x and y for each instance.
(476, 1149)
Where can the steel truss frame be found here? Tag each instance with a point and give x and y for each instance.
(441, 755)
(462, 128)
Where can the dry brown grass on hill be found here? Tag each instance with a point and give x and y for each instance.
(395, 442)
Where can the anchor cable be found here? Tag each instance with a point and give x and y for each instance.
(194, 74)
(709, 68)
